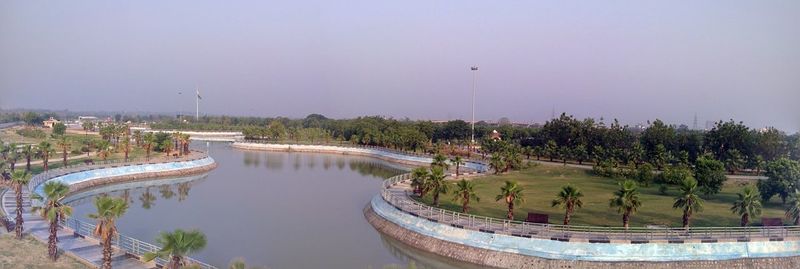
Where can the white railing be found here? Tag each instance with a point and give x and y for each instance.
(400, 199)
(127, 244)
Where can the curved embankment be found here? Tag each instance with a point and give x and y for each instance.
(379, 153)
(91, 178)
(516, 251)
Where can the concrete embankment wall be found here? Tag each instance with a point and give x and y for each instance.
(371, 152)
(449, 242)
(84, 180)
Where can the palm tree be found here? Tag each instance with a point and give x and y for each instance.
(511, 192)
(149, 141)
(12, 156)
(465, 190)
(54, 211)
(167, 147)
(747, 205)
(19, 179)
(137, 135)
(436, 183)
(176, 136)
(419, 177)
(176, 246)
(29, 151)
(458, 161)
(185, 140)
(109, 209)
(793, 211)
(497, 163)
(103, 149)
(64, 145)
(45, 148)
(626, 200)
(689, 200)
(126, 146)
(440, 161)
(568, 198)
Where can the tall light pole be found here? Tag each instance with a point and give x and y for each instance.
(474, 69)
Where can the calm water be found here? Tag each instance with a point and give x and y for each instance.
(279, 210)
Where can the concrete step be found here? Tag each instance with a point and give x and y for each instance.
(76, 243)
(129, 263)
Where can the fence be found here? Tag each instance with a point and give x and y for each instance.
(127, 244)
(401, 200)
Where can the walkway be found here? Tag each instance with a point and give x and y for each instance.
(87, 249)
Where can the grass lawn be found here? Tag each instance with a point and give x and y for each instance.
(542, 182)
(29, 253)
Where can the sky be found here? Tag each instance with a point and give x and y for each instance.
(631, 60)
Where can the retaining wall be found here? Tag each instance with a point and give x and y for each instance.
(372, 152)
(517, 252)
(83, 180)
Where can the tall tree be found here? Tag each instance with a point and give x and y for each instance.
(64, 145)
(465, 191)
(748, 205)
(137, 135)
(149, 140)
(109, 210)
(54, 211)
(19, 179)
(419, 177)
(126, 146)
(103, 149)
(176, 245)
(457, 161)
(512, 194)
(688, 200)
(29, 151)
(782, 179)
(436, 183)
(710, 174)
(626, 200)
(45, 148)
(568, 198)
(793, 208)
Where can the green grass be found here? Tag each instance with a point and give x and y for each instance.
(542, 182)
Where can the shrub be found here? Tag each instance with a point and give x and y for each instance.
(32, 133)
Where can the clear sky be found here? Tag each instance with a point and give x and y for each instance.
(632, 60)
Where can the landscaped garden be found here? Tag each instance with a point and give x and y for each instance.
(541, 183)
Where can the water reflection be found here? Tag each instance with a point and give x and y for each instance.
(364, 166)
(141, 190)
(422, 259)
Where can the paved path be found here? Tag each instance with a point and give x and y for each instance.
(87, 249)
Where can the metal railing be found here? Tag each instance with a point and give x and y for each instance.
(40, 178)
(400, 198)
(126, 243)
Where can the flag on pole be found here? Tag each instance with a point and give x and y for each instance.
(198, 95)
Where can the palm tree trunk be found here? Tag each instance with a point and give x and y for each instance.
(456, 170)
(745, 219)
(176, 262)
(797, 220)
(65, 156)
(44, 161)
(626, 218)
(464, 206)
(567, 216)
(686, 216)
(52, 248)
(510, 210)
(107, 251)
(19, 220)
(28, 163)
(435, 198)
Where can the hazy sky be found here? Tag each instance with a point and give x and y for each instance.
(632, 60)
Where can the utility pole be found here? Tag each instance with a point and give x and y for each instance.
(197, 104)
(474, 78)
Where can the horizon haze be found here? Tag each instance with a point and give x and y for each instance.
(633, 61)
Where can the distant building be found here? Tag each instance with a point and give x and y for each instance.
(495, 135)
(82, 119)
(50, 122)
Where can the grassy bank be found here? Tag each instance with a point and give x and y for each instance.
(30, 254)
(542, 182)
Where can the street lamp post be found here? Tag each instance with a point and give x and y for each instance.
(474, 77)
